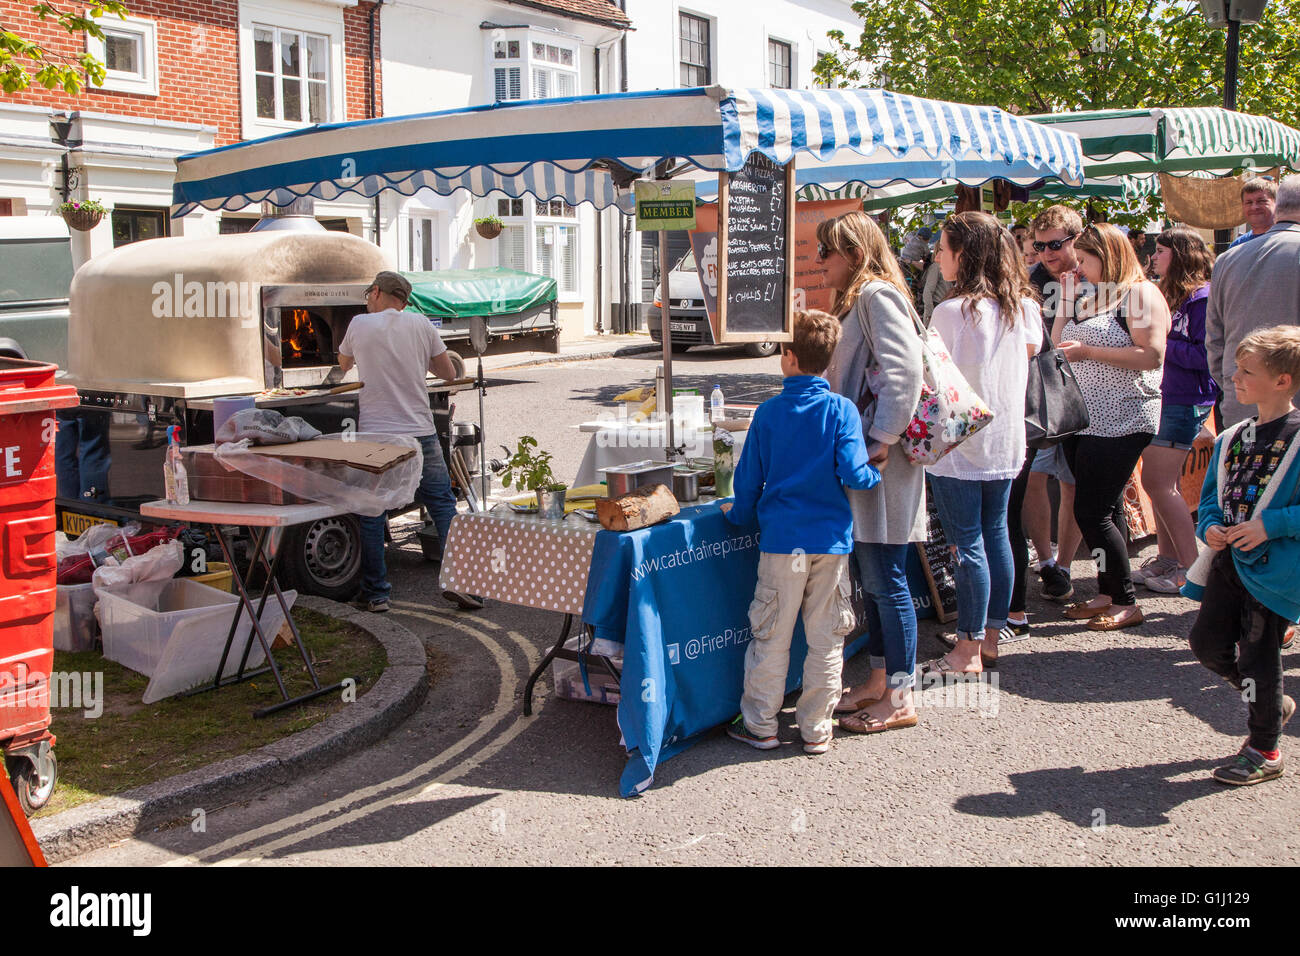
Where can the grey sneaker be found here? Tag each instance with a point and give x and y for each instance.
(373, 605)
(1153, 568)
(1248, 768)
(466, 602)
(1170, 583)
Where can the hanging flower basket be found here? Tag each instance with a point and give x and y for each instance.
(488, 228)
(82, 215)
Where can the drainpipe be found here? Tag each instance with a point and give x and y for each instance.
(625, 225)
(600, 241)
(370, 50)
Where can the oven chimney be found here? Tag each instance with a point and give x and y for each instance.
(298, 216)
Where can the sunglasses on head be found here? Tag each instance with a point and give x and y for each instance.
(1056, 244)
(824, 251)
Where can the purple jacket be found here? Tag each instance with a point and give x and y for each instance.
(1187, 378)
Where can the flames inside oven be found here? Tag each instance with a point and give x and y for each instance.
(311, 336)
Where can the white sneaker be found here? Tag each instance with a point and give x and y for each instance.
(1170, 583)
(1153, 568)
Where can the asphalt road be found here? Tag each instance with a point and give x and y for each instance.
(1095, 750)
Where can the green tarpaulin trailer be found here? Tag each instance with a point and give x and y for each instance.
(520, 308)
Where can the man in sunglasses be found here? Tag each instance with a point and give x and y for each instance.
(1054, 230)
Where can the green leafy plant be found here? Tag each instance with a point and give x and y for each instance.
(529, 468)
(23, 60)
(487, 221)
(83, 205)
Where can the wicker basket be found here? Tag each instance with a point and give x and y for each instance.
(488, 230)
(82, 220)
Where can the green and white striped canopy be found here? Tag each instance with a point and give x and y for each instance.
(1125, 150)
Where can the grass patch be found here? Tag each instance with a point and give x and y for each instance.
(132, 743)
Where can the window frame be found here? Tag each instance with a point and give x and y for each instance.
(707, 44)
(530, 220)
(145, 32)
(323, 18)
(526, 62)
(788, 47)
(305, 82)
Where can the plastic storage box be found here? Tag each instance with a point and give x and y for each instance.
(568, 675)
(174, 631)
(75, 627)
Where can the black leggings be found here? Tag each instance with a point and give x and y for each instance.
(1016, 531)
(1102, 467)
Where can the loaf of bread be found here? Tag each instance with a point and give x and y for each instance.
(640, 508)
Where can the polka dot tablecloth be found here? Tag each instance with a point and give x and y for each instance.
(520, 559)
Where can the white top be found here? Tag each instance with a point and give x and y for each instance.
(239, 513)
(392, 350)
(1120, 401)
(994, 361)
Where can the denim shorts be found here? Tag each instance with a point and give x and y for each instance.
(1180, 424)
(1051, 461)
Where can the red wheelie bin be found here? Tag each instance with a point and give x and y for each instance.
(28, 399)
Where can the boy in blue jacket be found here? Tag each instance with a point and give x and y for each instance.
(1249, 579)
(801, 446)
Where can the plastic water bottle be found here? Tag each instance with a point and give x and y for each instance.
(716, 402)
(175, 478)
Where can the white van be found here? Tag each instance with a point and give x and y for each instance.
(688, 318)
(35, 275)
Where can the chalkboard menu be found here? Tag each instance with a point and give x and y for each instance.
(755, 252)
(938, 563)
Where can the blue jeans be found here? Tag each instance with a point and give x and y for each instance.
(891, 615)
(81, 454)
(974, 517)
(434, 493)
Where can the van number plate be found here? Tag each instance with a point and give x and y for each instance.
(681, 326)
(75, 524)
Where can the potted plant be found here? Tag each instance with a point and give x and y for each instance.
(530, 469)
(489, 227)
(82, 214)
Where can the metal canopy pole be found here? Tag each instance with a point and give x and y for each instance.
(665, 401)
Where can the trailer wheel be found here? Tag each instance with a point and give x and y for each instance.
(760, 349)
(324, 557)
(31, 795)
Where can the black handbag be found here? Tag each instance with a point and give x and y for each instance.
(1054, 404)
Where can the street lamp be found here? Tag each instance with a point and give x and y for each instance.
(1232, 14)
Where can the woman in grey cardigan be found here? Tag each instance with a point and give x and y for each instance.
(878, 365)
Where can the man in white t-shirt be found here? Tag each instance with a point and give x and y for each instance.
(392, 350)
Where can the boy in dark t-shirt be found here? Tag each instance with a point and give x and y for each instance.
(1249, 579)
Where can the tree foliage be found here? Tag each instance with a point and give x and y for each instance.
(23, 60)
(1051, 56)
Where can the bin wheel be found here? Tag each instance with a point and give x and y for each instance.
(324, 557)
(31, 795)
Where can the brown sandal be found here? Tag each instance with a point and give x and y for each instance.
(1111, 622)
(1080, 611)
(849, 706)
(864, 723)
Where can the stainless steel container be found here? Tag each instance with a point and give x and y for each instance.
(620, 479)
(550, 504)
(686, 484)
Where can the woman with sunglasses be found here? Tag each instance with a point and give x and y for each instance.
(991, 325)
(1183, 262)
(1116, 346)
(877, 364)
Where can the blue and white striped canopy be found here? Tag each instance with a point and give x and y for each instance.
(580, 148)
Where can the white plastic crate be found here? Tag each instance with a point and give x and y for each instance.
(75, 627)
(173, 632)
(568, 675)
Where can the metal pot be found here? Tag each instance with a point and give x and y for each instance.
(550, 504)
(686, 484)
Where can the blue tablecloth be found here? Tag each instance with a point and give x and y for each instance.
(677, 597)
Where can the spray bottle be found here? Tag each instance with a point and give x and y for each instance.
(175, 478)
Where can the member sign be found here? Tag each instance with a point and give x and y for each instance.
(664, 204)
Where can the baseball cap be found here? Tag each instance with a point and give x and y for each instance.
(393, 284)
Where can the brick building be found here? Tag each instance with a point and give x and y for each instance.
(183, 76)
